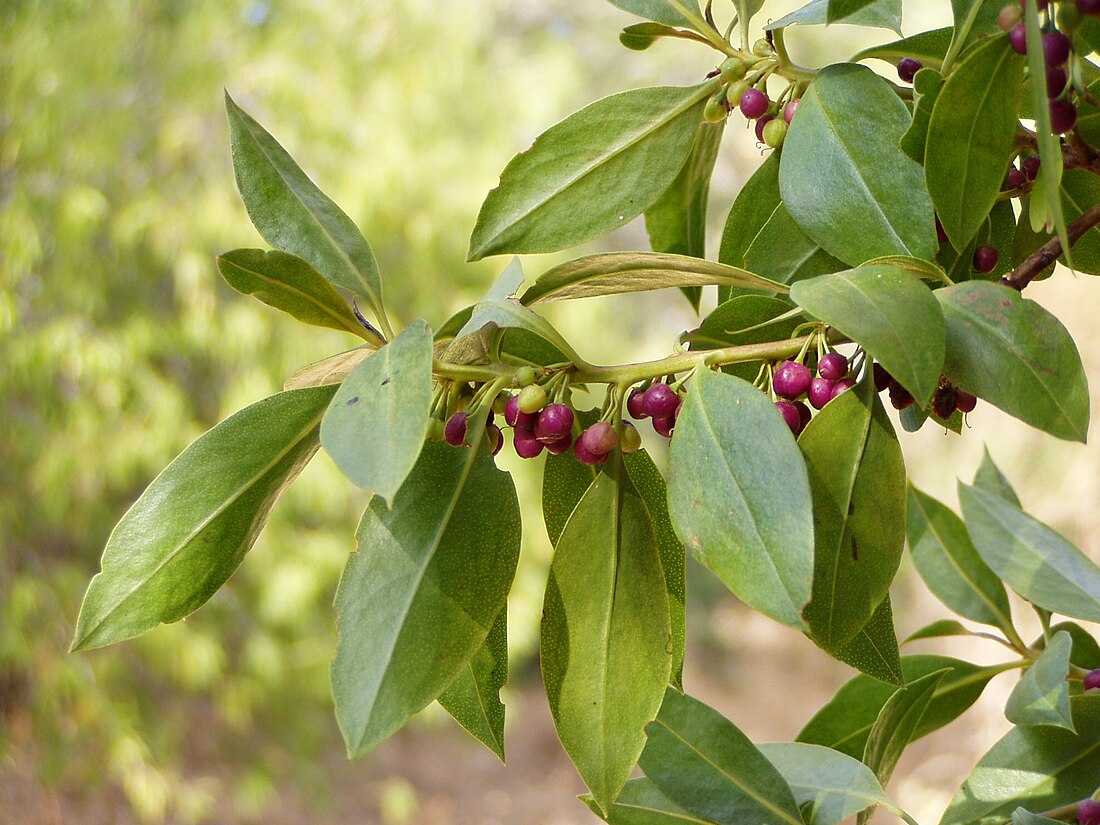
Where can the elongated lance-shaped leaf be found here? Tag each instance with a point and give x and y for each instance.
(611, 273)
(331, 370)
(970, 137)
(509, 314)
(928, 47)
(1040, 767)
(990, 478)
(1041, 697)
(874, 649)
(287, 282)
(939, 629)
(1034, 560)
(897, 724)
(739, 496)
(950, 566)
(292, 214)
(927, 85)
(640, 803)
(419, 598)
(877, 13)
(473, 698)
(782, 252)
(378, 419)
(605, 634)
(592, 172)
(704, 763)
(752, 208)
(670, 12)
(187, 533)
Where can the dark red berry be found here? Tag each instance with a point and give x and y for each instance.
(804, 415)
(790, 415)
(496, 438)
(1031, 166)
(985, 259)
(664, 426)
(833, 366)
(964, 401)
(660, 401)
(1018, 38)
(1063, 116)
(842, 386)
(1056, 48)
(791, 379)
(760, 124)
(585, 455)
(820, 392)
(792, 106)
(561, 445)
(527, 446)
(635, 404)
(599, 439)
(1056, 81)
(941, 235)
(882, 378)
(944, 401)
(900, 397)
(907, 69)
(555, 421)
(1016, 178)
(455, 431)
(1092, 680)
(754, 104)
(515, 417)
(1088, 810)
(1088, 6)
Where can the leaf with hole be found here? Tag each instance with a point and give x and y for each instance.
(473, 699)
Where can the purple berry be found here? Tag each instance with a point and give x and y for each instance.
(820, 392)
(833, 366)
(599, 439)
(900, 398)
(882, 378)
(804, 415)
(1018, 38)
(760, 124)
(791, 379)
(1088, 6)
(1016, 178)
(1056, 48)
(555, 421)
(1092, 680)
(660, 401)
(455, 431)
(964, 401)
(560, 445)
(792, 107)
(664, 425)
(1088, 810)
(941, 235)
(985, 259)
(635, 404)
(1056, 81)
(1063, 116)
(790, 415)
(515, 417)
(585, 455)
(842, 386)
(1031, 167)
(754, 104)
(908, 68)
(527, 446)
(944, 401)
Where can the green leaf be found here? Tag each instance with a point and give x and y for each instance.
(897, 724)
(990, 478)
(564, 482)
(927, 85)
(505, 286)
(739, 497)
(845, 722)
(1014, 354)
(745, 11)
(950, 566)
(641, 36)
(611, 273)
(592, 172)
(1080, 190)
(605, 631)
(288, 283)
(331, 370)
(650, 486)
(889, 313)
(828, 786)
(473, 698)
(378, 419)
(1041, 697)
(857, 477)
(669, 12)
(938, 630)
(884, 14)
(293, 215)
(1022, 817)
(874, 649)
(1033, 560)
(1086, 650)
(511, 315)
(187, 533)
(1040, 767)
(701, 761)
(970, 138)
(640, 803)
(974, 20)
(677, 222)
(417, 601)
(868, 198)
(746, 319)
(786, 253)
(928, 47)
(751, 210)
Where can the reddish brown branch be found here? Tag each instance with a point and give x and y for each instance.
(1048, 253)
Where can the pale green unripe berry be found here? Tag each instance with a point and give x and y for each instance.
(732, 70)
(715, 110)
(525, 376)
(532, 398)
(775, 132)
(762, 48)
(631, 439)
(734, 92)
(435, 429)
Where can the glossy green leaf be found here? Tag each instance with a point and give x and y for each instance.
(187, 533)
(605, 635)
(751, 210)
(640, 803)
(970, 137)
(845, 722)
(897, 724)
(1032, 559)
(669, 12)
(1014, 354)
(1041, 697)
(739, 497)
(511, 315)
(650, 486)
(884, 14)
(938, 630)
(1080, 190)
(564, 483)
(701, 761)
(745, 319)
(641, 36)
(857, 478)
(950, 566)
(592, 172)
(874, 649)
(473, 698)
(418, 599)
(1085, 652)
(889, 313)
(926, 88)
(378, 419)
(928, 47)
(784, 253)
(869, 198)
(990, 478)
(293, 215)
(828, 786)
(1041, 767)
(288, 283)
(611, 273)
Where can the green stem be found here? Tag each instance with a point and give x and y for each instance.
(785, 66)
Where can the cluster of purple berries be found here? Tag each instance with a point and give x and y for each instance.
(791, 380)
(985, 257)
(1056, 51)
(752, 100)
(945, 401)
(658, 402)
(1028, 170)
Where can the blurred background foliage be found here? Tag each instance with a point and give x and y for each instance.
(119, 345)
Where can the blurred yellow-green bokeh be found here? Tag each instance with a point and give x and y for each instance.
(119, 345)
